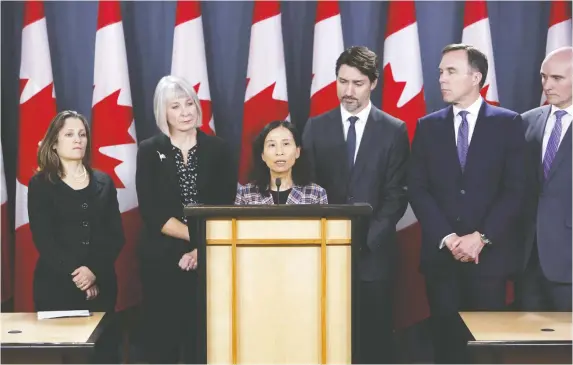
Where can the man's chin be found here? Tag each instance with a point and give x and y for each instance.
(351, 107)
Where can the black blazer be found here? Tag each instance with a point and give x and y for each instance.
(487, 197)
(378, 178)
(159, 194)
(71, 229)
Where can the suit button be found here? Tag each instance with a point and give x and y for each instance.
(462, 191)
(458, 219)
(85, 205)
(85, 224)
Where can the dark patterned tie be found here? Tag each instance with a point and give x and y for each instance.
(351, 142)
(553, 143)
(463, 141)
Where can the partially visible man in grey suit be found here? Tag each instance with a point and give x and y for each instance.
(546, 281)
(359, 153)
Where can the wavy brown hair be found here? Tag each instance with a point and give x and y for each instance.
(49, 162)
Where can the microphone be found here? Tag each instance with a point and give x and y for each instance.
(278, 184)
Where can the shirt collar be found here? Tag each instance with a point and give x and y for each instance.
(362, 116)
(472, 109)
(569, 109)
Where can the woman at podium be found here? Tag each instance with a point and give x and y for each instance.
(182, 165)
(280, 173)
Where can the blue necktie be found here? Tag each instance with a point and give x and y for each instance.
(351, 142)
(553, 143)
(463, 140)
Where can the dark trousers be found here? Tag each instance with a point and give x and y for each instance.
(169, 314)
(537, 294)
(376, 340)
(450, 294)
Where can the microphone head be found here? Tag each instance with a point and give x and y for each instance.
(278, 182)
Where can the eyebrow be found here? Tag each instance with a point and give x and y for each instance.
(358, 80)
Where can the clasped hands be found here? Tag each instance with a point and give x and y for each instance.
(85, 279)
(188, 261)
(465, 248)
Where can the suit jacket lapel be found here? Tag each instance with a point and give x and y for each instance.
(448, 134)
(476, 147)
(166, 156)
(564, 149)
(266, 200)
(295, 196)
(335, 133)
(539, 129)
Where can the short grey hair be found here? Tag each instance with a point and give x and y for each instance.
(168, 89)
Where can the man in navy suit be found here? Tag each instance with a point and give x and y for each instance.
(546, 281)
(466, 182)
(359, 154)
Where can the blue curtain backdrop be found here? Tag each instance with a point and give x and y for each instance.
(518, 28)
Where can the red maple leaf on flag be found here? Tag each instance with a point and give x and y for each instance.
(260, 110)
(36, 114)
(410, 112)
(483, 93)
(207, 112)
(110, 124)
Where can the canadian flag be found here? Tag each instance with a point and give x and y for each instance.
(559, 32)
(266, 95)
(189, 61)
(328, 45)
(114, 141)
(6, 236)
(477, 33)
(403, 97)
(37, 108)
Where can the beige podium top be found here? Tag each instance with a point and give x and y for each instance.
(518, 326)
(74, 331)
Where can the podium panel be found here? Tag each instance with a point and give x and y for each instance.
(278, 284)
(268, 299)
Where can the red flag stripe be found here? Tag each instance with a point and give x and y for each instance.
(265, 9)
(475, 11)
(400, 15)
(560, 11)
(326, 9)
(34, 11)
(109, 12)
(187, 10)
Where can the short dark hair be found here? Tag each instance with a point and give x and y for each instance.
(476, 58)
(361, 58)
(261, 175)
(49, 163)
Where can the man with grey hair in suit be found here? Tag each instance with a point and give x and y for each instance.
(546, 281)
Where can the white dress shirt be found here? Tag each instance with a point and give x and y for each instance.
(471, 117)
(358, 126)
(565, 123)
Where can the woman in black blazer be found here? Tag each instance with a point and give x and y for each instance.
(75, 223)
(180, 166)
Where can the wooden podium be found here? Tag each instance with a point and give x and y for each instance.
(278, 284)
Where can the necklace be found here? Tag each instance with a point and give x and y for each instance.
(81, 177)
